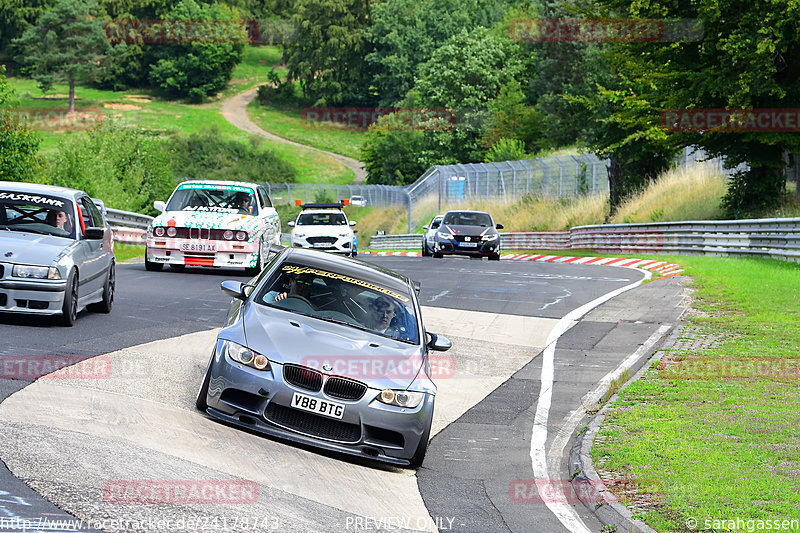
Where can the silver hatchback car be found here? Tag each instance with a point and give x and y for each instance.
(56, 252)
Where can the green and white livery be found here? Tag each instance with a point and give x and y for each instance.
(213, 224)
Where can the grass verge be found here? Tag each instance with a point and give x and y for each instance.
(128, 253)
(710, 432)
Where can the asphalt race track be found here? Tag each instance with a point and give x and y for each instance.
(525, 367)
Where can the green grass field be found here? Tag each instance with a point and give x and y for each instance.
(711, 433)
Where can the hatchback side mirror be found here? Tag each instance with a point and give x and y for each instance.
(498, 226)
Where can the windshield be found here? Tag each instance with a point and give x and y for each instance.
(36, 213)
(339, 298)
(322, 219)
(213, 198)
(460, 218)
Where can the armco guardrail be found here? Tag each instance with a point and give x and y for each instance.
(775, 237)
(117, 218)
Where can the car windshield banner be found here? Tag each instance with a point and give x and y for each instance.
(30, 199)
(213, 187)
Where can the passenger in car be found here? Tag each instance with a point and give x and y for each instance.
(382, 314)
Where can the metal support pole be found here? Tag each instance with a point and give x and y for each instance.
(528, 177)
(544, 175)
(577, 175)
(288, 192)
(560, 177)
(408, 197)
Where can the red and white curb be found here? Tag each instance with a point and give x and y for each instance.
(664, 268)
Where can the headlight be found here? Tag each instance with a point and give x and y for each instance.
(159, 231)
(244, 355)
(227, 235)
(300, 235)
(171, 231)
(492, 237)
(443, 235)
(38, 272)
(241, 236)
(401, 398)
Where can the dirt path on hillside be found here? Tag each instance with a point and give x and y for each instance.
(234, 109)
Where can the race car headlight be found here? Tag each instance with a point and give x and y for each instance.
(227, 235)
(244, 355)
(159, 231)
(401, 398)
(443, 235)
(171, 231)
(241, 236)
(37, 272)
(492, 237)
(299, 235)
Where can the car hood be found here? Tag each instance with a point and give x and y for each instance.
(319, 230)
(286, 337)
(468, 230)
(31, 248)
(206, 219)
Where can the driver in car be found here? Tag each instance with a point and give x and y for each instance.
(58, 219)
(299, 285)
(381, 317)
(244, 202)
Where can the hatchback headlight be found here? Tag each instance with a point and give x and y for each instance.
(401, 398)
(244, 355)
(37, 272)
(444, 235)
(492, 237)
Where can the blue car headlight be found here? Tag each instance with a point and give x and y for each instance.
(246, 356)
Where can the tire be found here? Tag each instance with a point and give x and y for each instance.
(494, 257)
(150, 266)
(437, 255)
(105, 305)
(422, 448)
(202, 394)
(69, 309)
(256, 270)
(177, 267)
(425, 252)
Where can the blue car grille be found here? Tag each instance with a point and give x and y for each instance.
(344, 389)
(311, 424)
(303, 377)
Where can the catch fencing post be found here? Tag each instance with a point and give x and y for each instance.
(577, 175)
(560, 177)
(528, 178)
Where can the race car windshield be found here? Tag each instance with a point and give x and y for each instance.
(339, 298)
(34, 213)
(468, 219)
(322, 219)
(223, 199)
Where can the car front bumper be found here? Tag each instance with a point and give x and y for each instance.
(260, 401)
(341, 246)
(39, 297)
(172, 251)
(483, 248)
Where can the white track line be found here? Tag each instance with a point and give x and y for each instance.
(563, 511)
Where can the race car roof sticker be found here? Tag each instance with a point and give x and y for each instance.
(35, 199)
(210, 209)
(297, 269)
(215, 187)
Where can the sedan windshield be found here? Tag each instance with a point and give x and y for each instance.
(213, 198)
(460, 218)
(35, 213)
(342, 299)
(322, 219)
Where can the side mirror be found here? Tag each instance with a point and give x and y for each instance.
(417, 285)
(234, 289)
(94, 234)
(498, 226)
(353, 222)
(355, 231)
(159, 206)
(290, 223)
(439, 343)
(425, 228)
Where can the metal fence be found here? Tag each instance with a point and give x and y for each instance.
(117, 218)
(778, 238)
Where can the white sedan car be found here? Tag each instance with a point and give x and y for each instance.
(213, 224)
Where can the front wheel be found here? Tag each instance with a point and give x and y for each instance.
(256, 270)
(69, 309)
(104, 305)
(494, 257)
(422, 448)
(151, 266)
(425, 252)
(202, 394)
(437, 255)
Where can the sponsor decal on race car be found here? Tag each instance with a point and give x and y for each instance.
(32, 198)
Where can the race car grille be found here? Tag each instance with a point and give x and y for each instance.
(472, 238)
(344, 389)
(311, 424)
(321, 240)
(303, 377)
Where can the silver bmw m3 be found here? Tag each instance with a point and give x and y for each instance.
(326, 351)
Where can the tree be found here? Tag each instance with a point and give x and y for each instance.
(747, 58)
(17, 15)
(18, 145)
(197, 67)
(67, 43)
(404, 34)
(328, 54)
